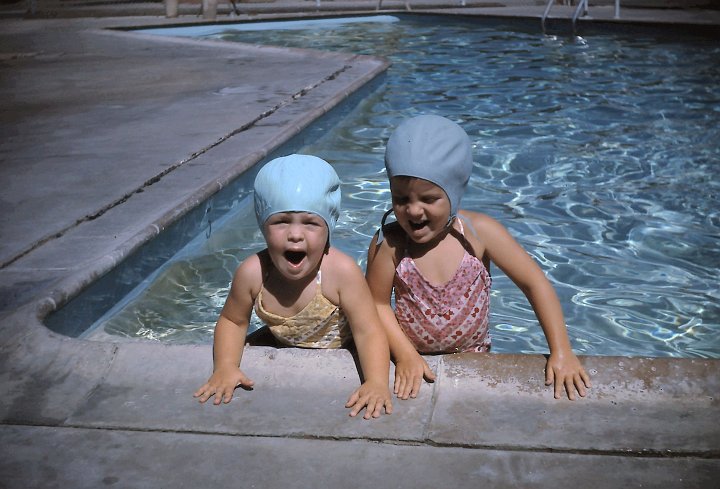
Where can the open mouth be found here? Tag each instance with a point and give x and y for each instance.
(416, 226)
(295, 257)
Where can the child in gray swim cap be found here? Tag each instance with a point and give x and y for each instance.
(440, 273)
(309, 294)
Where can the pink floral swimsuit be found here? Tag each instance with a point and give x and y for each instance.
(447, 318)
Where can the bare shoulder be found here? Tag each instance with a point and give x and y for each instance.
(481, 222)
(248, 275)
(340, 274)
(394, 235)
(337, 264)
(485, 227)
(393, 242)
(486, 234)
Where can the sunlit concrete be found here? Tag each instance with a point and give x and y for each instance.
(106, 141)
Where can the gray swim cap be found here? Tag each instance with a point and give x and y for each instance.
(298, 183)
(435, 149)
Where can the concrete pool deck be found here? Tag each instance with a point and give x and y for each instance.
(107, 138)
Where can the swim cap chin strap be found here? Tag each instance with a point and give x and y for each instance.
(389, 211)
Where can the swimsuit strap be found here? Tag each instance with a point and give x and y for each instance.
(463, 240)
(472, 228)
(382, 225)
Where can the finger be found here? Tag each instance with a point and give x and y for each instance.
(204, 397)
(246, 381)
(205, 394)
(570, 388)
(382, 406)
(428, 374)
(585, 378)
(396, 384)
(357, 407)
(199, 394)
(388, 406)
(580, 385)
(352, 399)
(219, 393)
(407, 391)
(200, 391)
(549, 376)
(371, 409)
(376, 406)
(404, 389)
(417, 381)
(218, 397)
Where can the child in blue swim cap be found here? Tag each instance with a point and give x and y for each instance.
(436, 261)
(309, 294)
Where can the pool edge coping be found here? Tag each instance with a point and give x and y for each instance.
(58, 381)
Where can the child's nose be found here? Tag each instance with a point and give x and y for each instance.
(414, 209)
(295, 233)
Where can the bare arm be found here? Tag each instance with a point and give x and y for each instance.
(372, 347)
(410, 367)
(229, 338)
(563, 369)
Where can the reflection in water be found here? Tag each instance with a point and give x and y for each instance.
(600, 155)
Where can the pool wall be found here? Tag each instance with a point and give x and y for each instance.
(215, 199)
(126, 409)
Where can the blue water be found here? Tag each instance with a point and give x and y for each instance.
(599, 153)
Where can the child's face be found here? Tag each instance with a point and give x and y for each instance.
(296, 242)
(422, 208)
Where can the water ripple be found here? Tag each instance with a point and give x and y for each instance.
(599, 154)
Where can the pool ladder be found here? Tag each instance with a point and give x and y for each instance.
(581, 9)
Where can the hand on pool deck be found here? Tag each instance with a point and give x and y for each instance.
(565, 373)
(409, 374)
(222, 384)
(373, 396)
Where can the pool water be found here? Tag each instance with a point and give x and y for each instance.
(600, 154)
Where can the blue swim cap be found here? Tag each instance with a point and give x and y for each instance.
(298, 183)
(435, 149)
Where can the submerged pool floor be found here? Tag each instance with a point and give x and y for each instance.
(126, 407)
(599, 153)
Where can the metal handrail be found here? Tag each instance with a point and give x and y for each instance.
(582, 7)
(545, 14)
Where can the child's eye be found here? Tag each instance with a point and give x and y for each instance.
(398, 200)
(314, 222)
(276, 220)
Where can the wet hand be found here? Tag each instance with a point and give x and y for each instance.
(565, 373)
(371, 396)
(409, 374)
(222, 384)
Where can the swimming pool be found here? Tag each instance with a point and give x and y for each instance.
(599, 153)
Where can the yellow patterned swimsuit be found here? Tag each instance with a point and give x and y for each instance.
(321, 324)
